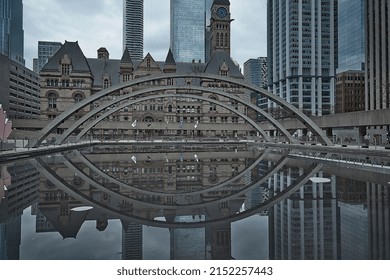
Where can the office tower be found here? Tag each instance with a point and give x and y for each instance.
(188, 244)
(377, 54)
(133, 28)
(350, 86)
(350, 91)
(302, 53)
(132, 241)
(305, 225)
(45, 51)
(378, 209)
(11, 30)
(19, 90)
(255, 71)
(351, 35)
(189, 21)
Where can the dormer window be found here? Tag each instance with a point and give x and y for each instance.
(224, 69)
(106, 83)
(65, 69)
(224, 73)
(65, 66)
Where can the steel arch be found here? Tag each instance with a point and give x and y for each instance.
(101, 118)
(123, 97)
(89, 101)
(76, 194)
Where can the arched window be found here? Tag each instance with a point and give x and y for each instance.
(148, 119)
(78, 97)
(52, 100)
(170, 108)
(217, 39)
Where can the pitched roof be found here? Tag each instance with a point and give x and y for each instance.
(220, 58)
(126, 57)
(170, 60)
(74, 52)
(101, 67)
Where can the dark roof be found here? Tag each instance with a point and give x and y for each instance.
(126, 57)
(170, 60)
(74, 52)
(222, 2)
(217, 59)
(101, 67)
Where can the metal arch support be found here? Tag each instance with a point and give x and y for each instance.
(76, 194)
(113, 110)
(123, 185)
(278, 100)
(95, 111)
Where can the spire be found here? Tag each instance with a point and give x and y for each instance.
(170, 63)
(126, 66)
(126, 57)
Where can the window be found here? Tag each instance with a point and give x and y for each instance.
(126, 78)
(78, 97)
(106, 83)
(52, 100)
(65, 69)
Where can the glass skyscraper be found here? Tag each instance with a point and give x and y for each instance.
(302, 53)
(378, 55)
(45, 51)
(11, 30)
(133, 28)
(351, 35)
(189, 21)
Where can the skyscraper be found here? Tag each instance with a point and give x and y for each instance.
(302, 53)
(351, 42)
(189, 21)
(133, 28)
(45, 51)
(377, 55)
(255, 71)
(11, 30)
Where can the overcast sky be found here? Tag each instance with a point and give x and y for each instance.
(98, 23)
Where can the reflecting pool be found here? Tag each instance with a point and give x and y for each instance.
(195, 202)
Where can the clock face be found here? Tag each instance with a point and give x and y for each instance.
(221, 12)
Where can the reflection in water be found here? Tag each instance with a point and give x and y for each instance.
(318, 206)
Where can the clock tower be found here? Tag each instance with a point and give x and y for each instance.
(220, 26)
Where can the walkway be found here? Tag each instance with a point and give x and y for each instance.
(21, 153)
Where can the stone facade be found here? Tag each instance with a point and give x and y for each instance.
(70, 77)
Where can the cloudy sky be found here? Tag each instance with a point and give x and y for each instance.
(98, 23)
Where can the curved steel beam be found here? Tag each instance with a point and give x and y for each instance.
(89, 101)
(124, 97)
(197, 204)
(76, 194)
(113, 110)
(102, 174)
